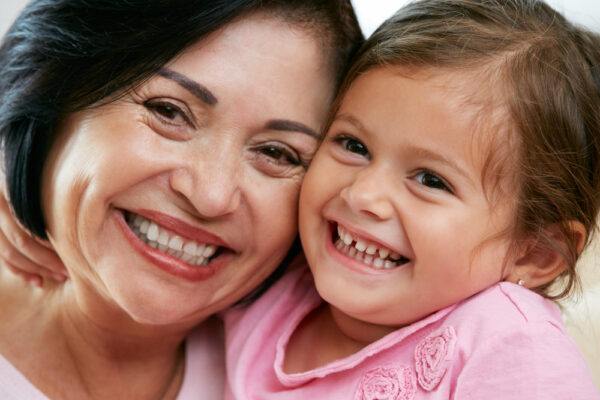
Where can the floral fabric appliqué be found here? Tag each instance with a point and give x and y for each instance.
(387, 383)
(432, 357)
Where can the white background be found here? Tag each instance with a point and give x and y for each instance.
(372, 12)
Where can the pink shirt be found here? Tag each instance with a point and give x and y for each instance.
(204, 369)
(504, 343)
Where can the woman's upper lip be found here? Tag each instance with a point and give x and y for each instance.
(182, 228)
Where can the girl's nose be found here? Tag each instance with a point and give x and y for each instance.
(370, 193)
(210, 184)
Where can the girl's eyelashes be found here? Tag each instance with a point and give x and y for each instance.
(432, 180)
(169, 113)
(352, 145)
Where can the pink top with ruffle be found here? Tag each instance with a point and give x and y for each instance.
(504, 343)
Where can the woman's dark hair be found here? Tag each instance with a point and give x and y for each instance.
(61, 56)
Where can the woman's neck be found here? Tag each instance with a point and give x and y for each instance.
(50, 335)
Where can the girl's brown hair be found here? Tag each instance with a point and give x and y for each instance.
(548, 74)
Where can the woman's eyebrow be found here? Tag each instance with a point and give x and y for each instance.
(193, 87)
(292, 126)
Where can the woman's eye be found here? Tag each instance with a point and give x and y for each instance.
(432, 180)
(279, 154)
(353, 145)
(168, 112)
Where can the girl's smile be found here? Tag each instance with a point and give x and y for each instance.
(393, 208)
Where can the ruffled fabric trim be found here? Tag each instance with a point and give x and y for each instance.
(391, 382)
(433, 356)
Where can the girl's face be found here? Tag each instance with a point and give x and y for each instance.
(175, 201)
(393, 214)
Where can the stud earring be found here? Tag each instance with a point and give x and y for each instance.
(520, 282)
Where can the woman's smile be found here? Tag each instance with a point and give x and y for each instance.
(174, 246)
(199, 187)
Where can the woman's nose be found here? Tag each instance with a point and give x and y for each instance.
(210, 184)
(370, 193)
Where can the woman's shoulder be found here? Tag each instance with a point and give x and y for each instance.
(14, 386)
(205, 362)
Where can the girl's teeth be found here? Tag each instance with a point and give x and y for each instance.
(347, 239)
(368, 254)
(150, 233)
(360, 245)
(137, 221)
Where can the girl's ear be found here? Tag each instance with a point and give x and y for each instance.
(540, 263)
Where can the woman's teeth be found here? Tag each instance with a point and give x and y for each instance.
(370, 254)
(149, 232)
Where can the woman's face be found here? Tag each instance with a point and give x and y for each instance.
(176, 200)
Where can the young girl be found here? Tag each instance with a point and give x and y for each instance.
(459, 178)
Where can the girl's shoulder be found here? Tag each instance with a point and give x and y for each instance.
(507, 306)
(511, 343)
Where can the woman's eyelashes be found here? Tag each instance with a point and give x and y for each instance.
(170, 114)
(279, 159)
(432, 180)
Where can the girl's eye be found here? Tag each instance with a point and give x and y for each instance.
(353, 145)
(432, 180)
(168, 112)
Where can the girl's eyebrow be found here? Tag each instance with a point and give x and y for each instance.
(192, 86)
(412, 149)
(351, 120)
(435, 156)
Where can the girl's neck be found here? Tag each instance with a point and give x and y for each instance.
(68, 351)
(330, 335)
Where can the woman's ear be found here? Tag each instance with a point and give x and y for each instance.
(539, 263)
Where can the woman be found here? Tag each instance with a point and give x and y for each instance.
(160, 150)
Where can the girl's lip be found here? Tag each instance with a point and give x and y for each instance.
(351, 263)
(167, 263)
(360, 233)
